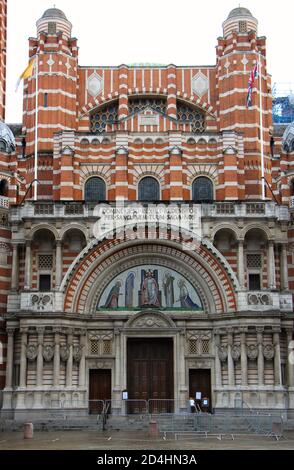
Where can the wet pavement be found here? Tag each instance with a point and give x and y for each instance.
(119, 440)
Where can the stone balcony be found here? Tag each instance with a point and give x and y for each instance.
(265, 300)
(33, 301)
(77, 210)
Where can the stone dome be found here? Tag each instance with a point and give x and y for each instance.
(7, 140)
(240, 11)
(54, 13)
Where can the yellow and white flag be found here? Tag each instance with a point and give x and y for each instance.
(28, 72)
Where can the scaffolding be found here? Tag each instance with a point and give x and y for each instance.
(283, 103)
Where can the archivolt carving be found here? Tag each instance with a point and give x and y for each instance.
(100, 335)
(198, 335)
(150, 320)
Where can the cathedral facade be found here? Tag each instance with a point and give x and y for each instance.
(144, 257)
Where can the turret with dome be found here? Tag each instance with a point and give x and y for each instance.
(54, 21)
(240, 20)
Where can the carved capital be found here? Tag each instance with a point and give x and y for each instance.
(259, 329)
(24, 330)
(40, 330)
(10, 331)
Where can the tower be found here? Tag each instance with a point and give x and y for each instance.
(238, 51)
(3, 34)
(56, 52)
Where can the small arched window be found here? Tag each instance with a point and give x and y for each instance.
(95, 190)
(149, 189)
(202, 189)
(3, 188)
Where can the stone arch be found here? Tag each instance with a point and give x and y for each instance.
(195, 171)
(206, 269)
(39, 227)
(103, 173)
(143, 172)
(226, 226)
(74, 226)
(257, 226)
(95, 103)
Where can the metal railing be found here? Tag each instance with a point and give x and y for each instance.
(96, 406)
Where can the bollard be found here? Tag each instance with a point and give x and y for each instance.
(153, 429)
(28, 431)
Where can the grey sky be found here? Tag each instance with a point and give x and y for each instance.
(112, 32)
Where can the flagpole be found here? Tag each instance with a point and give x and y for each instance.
(36, 129)
(261, 129)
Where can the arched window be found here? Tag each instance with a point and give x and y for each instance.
(3, 188)
(202, 189)
(95, 190)
(149, 189)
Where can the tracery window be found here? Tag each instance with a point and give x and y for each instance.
(149, 189)
(95, 190)
(202, 189)
(188, 115)
(140, 104)
(106, 115)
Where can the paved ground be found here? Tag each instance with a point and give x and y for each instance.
(92, 440)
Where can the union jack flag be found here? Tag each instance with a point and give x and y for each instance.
(252, 77)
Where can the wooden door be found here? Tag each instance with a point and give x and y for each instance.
(150, 373)
(200, 381)
(99, 389)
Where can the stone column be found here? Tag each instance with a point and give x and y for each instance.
(82, 368)
(183, 389)
(284, 268)
(56, 362)
(218, 367)
(28, 266)
(277, 359)
(23, 358)
(40, 332)
(9, 360)
(241, 270)
(38, 394)
(14, 268)
(290, 364)
(271, 266)
(69, 364)
(58, 264)
(260, 359)
(244, 362)
(7, 394)
(231, 367)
